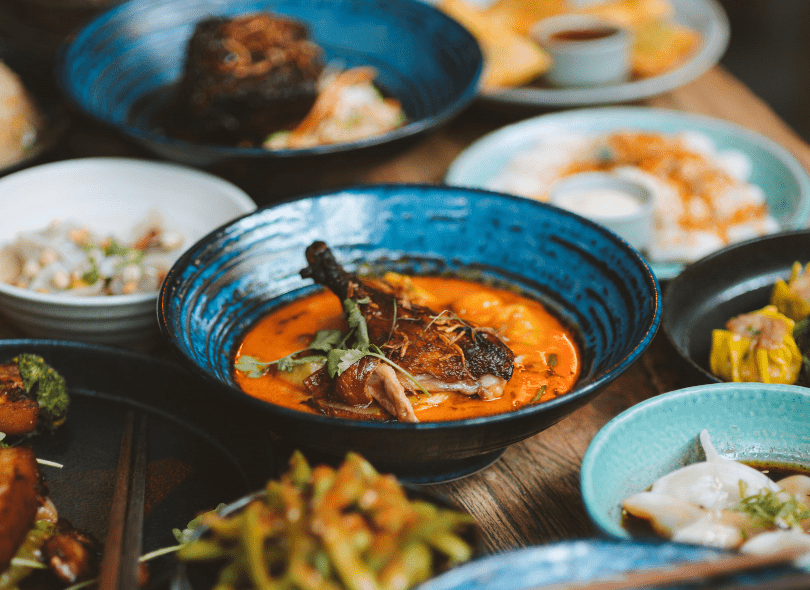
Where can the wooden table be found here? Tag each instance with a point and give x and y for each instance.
(531, 495)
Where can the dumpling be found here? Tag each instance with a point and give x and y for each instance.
(756, 347)
(792, 298)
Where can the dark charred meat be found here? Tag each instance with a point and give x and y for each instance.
(19, 499)
(440, 351)
(18, 411)
(72, 554)
(245, 78)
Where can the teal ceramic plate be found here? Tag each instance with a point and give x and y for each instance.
(781, 177)
(749, 421)
(704, 16)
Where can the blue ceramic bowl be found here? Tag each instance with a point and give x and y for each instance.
(747, 421)
(584, 274)
(585, 563)
(122, 67)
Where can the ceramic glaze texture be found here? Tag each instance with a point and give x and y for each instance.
(581, 561)
(121, 67)
(738, 279)
(584, 274)
(748, 421)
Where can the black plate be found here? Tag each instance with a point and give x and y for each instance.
(199, 454)
(738, 279)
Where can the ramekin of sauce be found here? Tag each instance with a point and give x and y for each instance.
(585, 50)
(622, 205)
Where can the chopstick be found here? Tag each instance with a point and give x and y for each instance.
(122, 547)
(692, 572)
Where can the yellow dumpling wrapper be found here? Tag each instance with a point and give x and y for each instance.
(786, 300)
(734, 357)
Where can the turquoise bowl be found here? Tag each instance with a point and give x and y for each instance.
(747, 421)
(774, 169)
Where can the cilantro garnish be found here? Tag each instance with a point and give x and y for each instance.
(334, 344)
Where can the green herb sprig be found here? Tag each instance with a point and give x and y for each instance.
(340, 351)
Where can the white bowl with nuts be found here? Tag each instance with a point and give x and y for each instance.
(85, 243)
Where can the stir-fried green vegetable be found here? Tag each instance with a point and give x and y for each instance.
(345, 528)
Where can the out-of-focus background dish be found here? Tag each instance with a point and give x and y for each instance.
(675, 42)
(585, 562)
(746, 421)
(785, 184)
(196, 460)
(108, 196)
(580, 272)
(736, 280)
(32, 118)
(121, 69)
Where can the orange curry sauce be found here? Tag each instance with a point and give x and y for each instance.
(547, 357)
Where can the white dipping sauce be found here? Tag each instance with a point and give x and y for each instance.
(602, 202)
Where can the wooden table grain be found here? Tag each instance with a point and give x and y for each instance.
(530, 496)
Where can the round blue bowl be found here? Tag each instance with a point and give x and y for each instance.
(122, 67)
(746, 421)
(587, 276)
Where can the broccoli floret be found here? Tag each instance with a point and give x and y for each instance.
(47, 386)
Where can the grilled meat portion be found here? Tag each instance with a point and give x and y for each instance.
(18, 411)
(19, 499)
(245, 78)
(441, 352)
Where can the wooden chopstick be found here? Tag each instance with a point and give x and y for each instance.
(122, 547)
(692, 572)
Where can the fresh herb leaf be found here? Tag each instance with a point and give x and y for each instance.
(252, 367)
(47, 385)
(339, 360)
(326, 340)
(357, 323)
(552, 360)
(288, 363)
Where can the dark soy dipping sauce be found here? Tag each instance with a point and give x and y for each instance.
(640, 528)
(579, 35)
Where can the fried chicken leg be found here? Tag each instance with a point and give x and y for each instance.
(441, 352)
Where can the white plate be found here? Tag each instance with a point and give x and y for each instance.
(784, 181)
(704, 16)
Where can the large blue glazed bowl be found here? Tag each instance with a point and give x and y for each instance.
(122, 67)
(589, 277)
(746, 421)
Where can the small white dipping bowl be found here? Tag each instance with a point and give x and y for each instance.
(585, 50)
(623, 206)
(109, 196)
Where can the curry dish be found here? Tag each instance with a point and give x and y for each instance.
(522, 355)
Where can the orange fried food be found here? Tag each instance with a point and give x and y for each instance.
(510, 59)
(661, 46)
(19, 481)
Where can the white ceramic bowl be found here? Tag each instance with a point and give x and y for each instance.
(622, 205)
(109, 196)
(585, 50)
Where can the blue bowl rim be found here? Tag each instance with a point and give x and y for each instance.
(601, 439)
(412, 128)
(582, 394)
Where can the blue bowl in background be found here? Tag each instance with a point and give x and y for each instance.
(587, 276)
(122, 67)
(746, 421)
